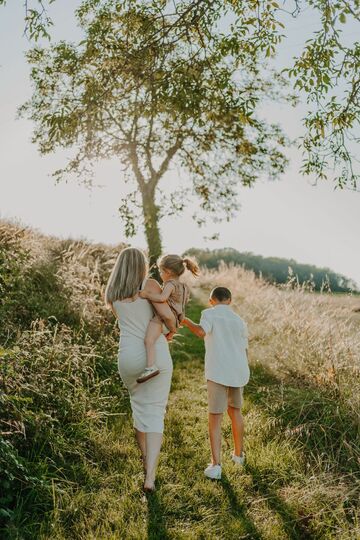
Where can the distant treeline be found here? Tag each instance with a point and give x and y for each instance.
(275, 269)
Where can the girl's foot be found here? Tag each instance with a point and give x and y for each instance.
(148, 373)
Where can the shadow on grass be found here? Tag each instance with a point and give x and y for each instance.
(295, 529)
(314, 420)
(309, 415)
(156, 523)
(238, 509)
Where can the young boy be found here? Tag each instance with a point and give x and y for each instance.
(226, 372)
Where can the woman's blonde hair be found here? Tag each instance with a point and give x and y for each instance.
(129, 272)
(177, 264)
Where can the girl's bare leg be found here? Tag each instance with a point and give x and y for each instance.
(166, 315)
(152, 334)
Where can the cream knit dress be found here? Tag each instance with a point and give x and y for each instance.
(148, 400)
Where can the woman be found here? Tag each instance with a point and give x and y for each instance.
(148, 401)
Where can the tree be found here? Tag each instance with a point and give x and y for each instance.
(327, 74)
(188, 100)
(326, 71)
(193, 47)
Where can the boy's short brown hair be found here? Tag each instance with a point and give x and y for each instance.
(221, 294)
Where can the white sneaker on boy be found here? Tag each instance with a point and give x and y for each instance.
(213, 472)
(239, 460)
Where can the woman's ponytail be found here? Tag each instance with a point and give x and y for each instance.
(192, 265)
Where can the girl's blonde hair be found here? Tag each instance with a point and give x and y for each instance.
(177, 264)
(129, 272)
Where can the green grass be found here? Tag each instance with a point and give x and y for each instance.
(97, 478)
(98, 495)
(70, 469)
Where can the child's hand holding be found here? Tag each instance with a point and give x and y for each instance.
(169, 336)
(143, 294)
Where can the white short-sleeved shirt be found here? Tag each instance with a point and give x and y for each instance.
(226, 342)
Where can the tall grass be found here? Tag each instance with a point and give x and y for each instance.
(68, 464)
(305, 358)
(312, 336)
(58, 377)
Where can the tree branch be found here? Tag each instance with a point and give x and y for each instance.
(148, 141)
(169, 155)
(134, 159)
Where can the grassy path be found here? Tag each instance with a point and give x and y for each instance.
(244, 504)
(69, 466)
(279, 494)
(267, 499)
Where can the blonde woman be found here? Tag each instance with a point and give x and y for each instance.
(148, 401)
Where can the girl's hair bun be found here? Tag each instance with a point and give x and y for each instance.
(192, 265)
(176, 264)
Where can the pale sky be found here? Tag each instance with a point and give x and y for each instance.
(288, 218)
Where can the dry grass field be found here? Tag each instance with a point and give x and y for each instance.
(69, 468)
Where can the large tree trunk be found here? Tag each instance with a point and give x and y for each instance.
(152, 231)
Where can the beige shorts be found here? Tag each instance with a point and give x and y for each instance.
(221, 397)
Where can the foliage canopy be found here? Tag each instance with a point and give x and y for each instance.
(156, 84)
(189, 98)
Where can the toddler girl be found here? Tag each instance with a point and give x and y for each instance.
(170, 303)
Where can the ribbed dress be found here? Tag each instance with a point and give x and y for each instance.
(148, 400)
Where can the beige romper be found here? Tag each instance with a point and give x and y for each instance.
(176, 301)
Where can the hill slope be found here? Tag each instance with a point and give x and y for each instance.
(276, 269)
(68, 463)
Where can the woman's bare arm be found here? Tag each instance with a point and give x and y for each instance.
(152, 286)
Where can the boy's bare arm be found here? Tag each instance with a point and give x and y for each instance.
(194, 328)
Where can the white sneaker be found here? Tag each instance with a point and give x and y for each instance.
(148, 373)
(213, 472)
(239, 460)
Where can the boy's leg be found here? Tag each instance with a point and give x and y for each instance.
(153, 332)
(237, 427)
(237, 420)
(215, 437)
(217, 400)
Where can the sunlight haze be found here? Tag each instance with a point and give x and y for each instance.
(289, 218)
